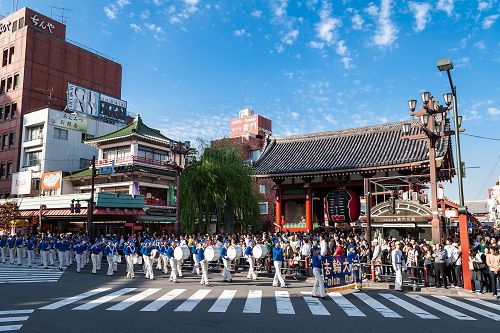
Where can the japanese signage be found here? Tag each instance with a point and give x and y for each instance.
(21, 183)
(44, 25)
(255, 125)
(341, 271)
(5, 26)
(342, 206)
(91, 102)
(67, 120)
(51, 180)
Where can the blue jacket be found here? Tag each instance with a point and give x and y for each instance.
(316, 261)
(79, 248)
(277, 254)
(201, 254)
(3, 241)
(45, 246)
(30, 245)
(109, 250)
(11, 242)
(96, 249)
(193, 249)
(249, 251)
(19, 242)
(223, 252)
(162, 249)
(170, 252)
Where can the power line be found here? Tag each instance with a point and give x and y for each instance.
(488, 178)
(481, 137)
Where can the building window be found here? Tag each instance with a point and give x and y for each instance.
(14, 26)
(21, 22)
(115, 153)
(16, 81)
(9, 170)
(5, 57)
(9, 83)
(60, 133)
(11, 139)
(5, 141)
(7, 112)
(34, 133)
(2, 171)
(32, 158)
(35, 184)
(11, 54)
(13, 110)
(262, 189)
(85, 163)
(152, 154)
(263, 208)
(2, 86)
(1, 112)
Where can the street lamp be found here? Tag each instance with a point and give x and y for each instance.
(446, 65)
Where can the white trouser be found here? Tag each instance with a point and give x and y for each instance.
(109, 258)
(52, 257)
(99, 261)
(179, 267)
(318, 282)
(398, 282)
(60, 254)
(196, 267)
(19, 256)
(277, 275)
(4, 254)
(66, 258)
(226, 273)
(31, 257)
(11, 255)
(71, 254)
(79, 261)
(130, 265)
(95, 258)
(159, 263)
(204, 271)
(115, 263)
(25, 252)
(45, 258)
(251, 270)
(164, 261)
(173, 267)
(148, 266)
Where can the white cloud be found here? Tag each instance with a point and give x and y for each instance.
(462, 62)
(191, 2)
(372, 9)
(241, 33)
(153, 27)
(135, 27)
(386, 32)
(145, 14)
(157, 2)
(122, 3)
(316, 45)
(279, 7)
(112, 9)
(342, 50)
(421, 13)
(484, 5)
(256, 13)
(494, 111)
(489, 21)
(189, 8)
(295, 115)
(357, 22)
(446, 5)
(480, 45)
(290, 37)
(326, 29)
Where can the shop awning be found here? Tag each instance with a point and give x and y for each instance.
(156, 219)
(119, 211)
(52, 212)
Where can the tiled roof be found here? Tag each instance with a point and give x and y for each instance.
(477, 207)
(345, 151)
(137, 127)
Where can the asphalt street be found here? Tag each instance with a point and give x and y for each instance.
(82, 302)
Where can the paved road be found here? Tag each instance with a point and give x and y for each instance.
(88, 302)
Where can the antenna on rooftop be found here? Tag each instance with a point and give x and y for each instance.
(60, 14)
(15, 4)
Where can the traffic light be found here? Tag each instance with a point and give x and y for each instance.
(72, 206)
(77, 207)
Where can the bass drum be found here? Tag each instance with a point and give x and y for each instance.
(234, 252)
(260, 251)
(212, 253)
(155, 254)
(181, 252)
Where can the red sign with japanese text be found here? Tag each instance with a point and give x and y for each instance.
(253, 125)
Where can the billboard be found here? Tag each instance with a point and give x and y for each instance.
(21, 183)
(253, 125)
(51, 180)
(91, 102)
(341, 271)
(68, 120)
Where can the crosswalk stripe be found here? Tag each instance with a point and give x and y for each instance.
(73, 299)
(27, 281)
(134, 299)
(10, 328)
(469, 307)
(163, 300)
(283, 302)
(12, 312)
(222, 303)
(484, 303)
(444, 309)
(409, 307)
(317, 308)
(253, 302)
(101, 300)
(192, 301)
(350, 309)
(7, 319)
(377, 306)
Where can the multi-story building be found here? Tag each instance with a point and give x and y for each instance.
(494, 203)
(37, 63)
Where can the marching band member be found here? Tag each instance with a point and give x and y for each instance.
(30, 247)
(11, 243)
(226, 273)
(60, 252)
(159, 261)
(3, 248)
(66, 248)
(148, 258)
(96, 250)
(19, 249)
(196, 266)
(52, 251)
(163, 257)
(318, 279)
(204, 263)
(109, 252)
(79, 249)
(251, 261)
(128, 251)
(45, 250)
(172, 261)
(278, 261)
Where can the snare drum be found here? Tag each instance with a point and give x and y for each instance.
(234, 252)
(155, 253)
(212, 253)
(260, 251)
(181, 252)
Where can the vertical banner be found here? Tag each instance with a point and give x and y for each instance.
(341, 271)
(136, 190)
(171, 192)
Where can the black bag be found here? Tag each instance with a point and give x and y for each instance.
(479, 266)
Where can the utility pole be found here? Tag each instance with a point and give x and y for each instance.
(90, 206)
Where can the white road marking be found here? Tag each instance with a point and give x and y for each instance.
(134, 299)
(350, 309)
(253, 302)
(12, 312)
(101, 300)
(283, 302)
(377, 306)
(7, 319)
(222, 303)
(73, 299)
(469, 307)
(10, 328)
(163, 300)
(317, 308)
(409, 307)
(193, 301)
(484, 303)
(444, 309)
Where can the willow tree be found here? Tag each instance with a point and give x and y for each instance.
(218, 185)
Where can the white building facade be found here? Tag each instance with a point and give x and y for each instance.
(494, 203)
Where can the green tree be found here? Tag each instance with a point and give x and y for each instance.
(219, 185)
(8, 211)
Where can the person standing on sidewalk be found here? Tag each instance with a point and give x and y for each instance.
(493, 262)
(397, 265)
(439, 266)
(318, 278)
(456, 262)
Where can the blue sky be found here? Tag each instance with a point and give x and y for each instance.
(308, 65)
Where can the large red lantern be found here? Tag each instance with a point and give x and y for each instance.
(342, 206)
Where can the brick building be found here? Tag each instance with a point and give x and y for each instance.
(37, 63)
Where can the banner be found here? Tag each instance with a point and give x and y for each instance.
(113, 109)
(51, 180)
(171, 193)
(21, 183)
(83, 100)
(68, 120)
(341, 271)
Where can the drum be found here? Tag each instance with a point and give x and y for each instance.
(212, 253)
(234, 252)
(181, 252)
(260, 251)
(155, 254)
(135, 258)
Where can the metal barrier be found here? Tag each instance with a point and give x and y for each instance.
(412, 275)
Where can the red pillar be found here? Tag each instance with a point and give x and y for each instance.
(309, 223)
(464, 246)
(277, 202)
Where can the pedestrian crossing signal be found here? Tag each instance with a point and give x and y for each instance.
(77, 207)
(72, 206)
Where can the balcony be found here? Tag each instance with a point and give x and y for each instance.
(130, 160)
(157, 202)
